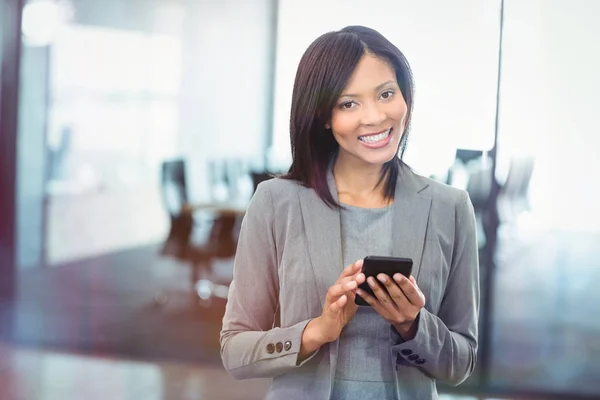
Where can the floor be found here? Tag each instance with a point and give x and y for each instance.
(547, 313)
(135, 305)
(108, 305)
(27, 374)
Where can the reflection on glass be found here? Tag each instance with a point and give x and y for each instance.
(113, 118)
(114, 105)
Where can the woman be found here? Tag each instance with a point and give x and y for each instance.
(291, 314)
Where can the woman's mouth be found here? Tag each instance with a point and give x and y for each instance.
(377, 139)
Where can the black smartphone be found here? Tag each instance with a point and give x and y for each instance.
(374, 265)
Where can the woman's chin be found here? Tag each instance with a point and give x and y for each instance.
(380, 159)
(367, 158)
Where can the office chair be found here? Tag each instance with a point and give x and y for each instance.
(197, 237)
(258, 177)
(514, 195)
(479, 187)
(175, 198)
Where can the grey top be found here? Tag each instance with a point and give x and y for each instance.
(365, 367)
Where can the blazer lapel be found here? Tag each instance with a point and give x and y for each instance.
(411, 216)
(322, 225)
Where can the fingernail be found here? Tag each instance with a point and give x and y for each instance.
(350, 285)
(359, 292)
(382, 278)
(371, 282)
(398, 277)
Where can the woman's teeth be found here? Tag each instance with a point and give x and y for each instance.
(375, 138)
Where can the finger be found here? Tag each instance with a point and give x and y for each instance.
(336, 291)
(339, 303)
(352, 285)
(359, 278)
(414, 282)
(395, 293)
(381, 295)
(351, 269)
(373, 302)
(410, 289)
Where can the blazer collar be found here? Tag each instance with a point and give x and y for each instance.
(323, 229)
(411, 217)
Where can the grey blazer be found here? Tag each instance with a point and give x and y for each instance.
(289, 253)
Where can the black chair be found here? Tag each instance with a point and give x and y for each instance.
(175, 198)
(467, 155)
(198, 237)
(260, 176)
(463, 158)
(479, 187)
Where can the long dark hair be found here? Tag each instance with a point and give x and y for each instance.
(323, 73)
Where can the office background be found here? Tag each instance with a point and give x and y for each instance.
(134, 132)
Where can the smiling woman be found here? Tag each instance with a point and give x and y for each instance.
(348, 195)
(360, 110)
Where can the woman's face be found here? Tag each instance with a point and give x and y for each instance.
(368, 118)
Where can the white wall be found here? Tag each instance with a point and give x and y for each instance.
(452, 47)
(226, 83)
(549, 106)
(226, 69)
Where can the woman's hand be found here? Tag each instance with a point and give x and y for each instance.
(339, 302)
(401, 306)
(338, 310)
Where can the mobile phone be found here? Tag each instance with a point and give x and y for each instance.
(374, 265)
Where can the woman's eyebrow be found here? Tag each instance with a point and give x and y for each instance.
(378, 87)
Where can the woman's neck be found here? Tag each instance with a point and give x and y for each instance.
(358, 186)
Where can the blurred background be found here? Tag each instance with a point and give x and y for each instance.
(134, 132)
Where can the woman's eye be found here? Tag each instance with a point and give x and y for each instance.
(387, 94)
(347, 105)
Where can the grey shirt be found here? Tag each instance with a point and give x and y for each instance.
(365, 365)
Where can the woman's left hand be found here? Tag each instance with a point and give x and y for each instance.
(401, 306)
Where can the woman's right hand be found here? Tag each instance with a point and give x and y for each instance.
(338, 310)
(339, 302)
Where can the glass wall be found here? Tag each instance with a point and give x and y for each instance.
(113, 118)
(546, 333)
(112, 89)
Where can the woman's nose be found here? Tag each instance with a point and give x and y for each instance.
(372, 114)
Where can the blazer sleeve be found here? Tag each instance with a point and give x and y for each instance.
(445, 345)
(251, 346)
